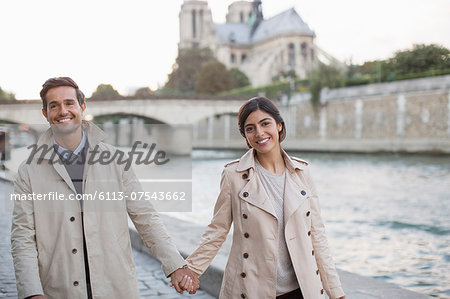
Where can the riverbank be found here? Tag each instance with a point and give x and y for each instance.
(434, 146)
(409, 116)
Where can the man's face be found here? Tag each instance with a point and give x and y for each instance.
(63, 112)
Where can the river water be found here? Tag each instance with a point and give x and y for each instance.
(387, 216)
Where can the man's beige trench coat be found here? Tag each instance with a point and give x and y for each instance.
(251, 271)
(47, 237)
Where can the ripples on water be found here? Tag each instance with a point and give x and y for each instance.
(387, 216)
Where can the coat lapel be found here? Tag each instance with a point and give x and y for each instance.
(295, 191)
(253, 191)
(295, 194)
(94, 134)
(61, 170)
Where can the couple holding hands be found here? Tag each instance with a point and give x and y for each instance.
(279, 247)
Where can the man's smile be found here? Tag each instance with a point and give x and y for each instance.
(64, 119)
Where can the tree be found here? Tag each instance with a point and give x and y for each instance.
(213, 78)
(379, 70)
(238, 78)
(143, 92)
(323, 76)
(105, 92)
(186, 69)
(421, 59)
(5, 96)
(418, 60)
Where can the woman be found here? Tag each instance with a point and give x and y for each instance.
(279, 245)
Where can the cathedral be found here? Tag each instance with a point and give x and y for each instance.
(261, 48)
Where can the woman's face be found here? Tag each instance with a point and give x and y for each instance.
(261, 132)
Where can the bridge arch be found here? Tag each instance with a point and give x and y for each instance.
(118, 116)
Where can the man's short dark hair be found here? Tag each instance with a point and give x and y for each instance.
(60, 81)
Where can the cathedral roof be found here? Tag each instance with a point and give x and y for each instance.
(238, 33)
(286, 22)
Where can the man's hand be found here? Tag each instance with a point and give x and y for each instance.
(184, 279)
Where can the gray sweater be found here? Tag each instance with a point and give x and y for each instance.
(274, 186)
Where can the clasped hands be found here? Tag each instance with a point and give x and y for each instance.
(184, 279)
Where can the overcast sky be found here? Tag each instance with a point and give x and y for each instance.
(133, 43)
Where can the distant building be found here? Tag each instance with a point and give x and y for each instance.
(261, 48)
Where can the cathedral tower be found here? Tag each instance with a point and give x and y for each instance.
(239, 12)
(196, 25)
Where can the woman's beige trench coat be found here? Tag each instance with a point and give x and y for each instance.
(251, 271)
(47, 236)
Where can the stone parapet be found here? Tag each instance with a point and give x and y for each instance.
(387, 88)
(406, 116)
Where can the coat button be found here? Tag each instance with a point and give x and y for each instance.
(245, 176)
(317, 272)
(243, 296)
(72, 219)
(313, 252)
(245, 216)
(75, 283)
(245, 194)
(303, 192)
(245, 255)
(246, 235)
(243, 274)
(309, 233)
(74, 250)
(307, 213)
(321, 291)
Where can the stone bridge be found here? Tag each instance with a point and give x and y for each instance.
(181, 115)
(168, 111)
(401, 116)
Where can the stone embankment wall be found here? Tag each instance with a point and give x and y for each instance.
(403, 116)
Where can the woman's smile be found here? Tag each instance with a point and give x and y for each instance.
(262, 132)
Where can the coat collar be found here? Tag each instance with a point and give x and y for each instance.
(294, 192)
(247, 162)
(93, 133)
(94, 136)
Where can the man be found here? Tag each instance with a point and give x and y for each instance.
(74, 248)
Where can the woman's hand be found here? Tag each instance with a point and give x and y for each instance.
(184, 279)
(343, 297)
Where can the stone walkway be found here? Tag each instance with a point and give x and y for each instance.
(151, 280)
(153, 283)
